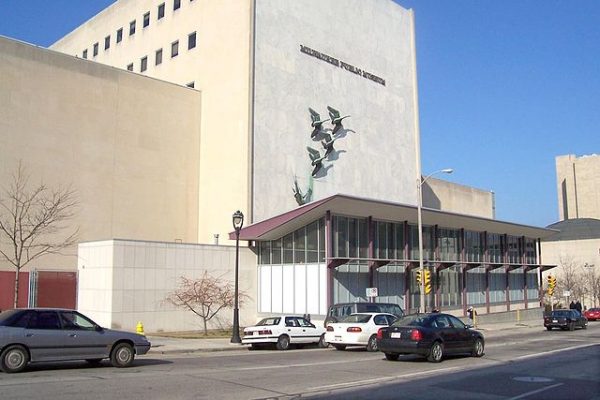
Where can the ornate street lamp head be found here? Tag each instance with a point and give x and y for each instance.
(238, 220)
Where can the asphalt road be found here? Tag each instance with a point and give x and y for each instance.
(525, 364)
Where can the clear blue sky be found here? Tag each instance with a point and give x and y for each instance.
(504, 88)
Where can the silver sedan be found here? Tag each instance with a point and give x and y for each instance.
(43, 334)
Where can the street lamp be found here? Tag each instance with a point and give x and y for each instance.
(420, 182)
(238, 222)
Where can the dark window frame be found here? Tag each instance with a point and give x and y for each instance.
(132, 28)
(161, 11)
(146, 20)
(175, 49)
(119, 35)
(95, 52)
(176, 4)
(144, 64)
(192, 41)
(158, 57)
(107, 42)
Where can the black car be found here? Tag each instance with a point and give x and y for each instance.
(565, 319)
(339, 311)
(431, 335)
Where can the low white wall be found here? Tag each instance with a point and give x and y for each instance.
(122, 282)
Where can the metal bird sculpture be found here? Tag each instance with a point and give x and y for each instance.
(301, 199)
(317, 122)
(336, 119)
(328, 143)
(316, 159)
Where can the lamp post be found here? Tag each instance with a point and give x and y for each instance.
(238, 222)
(420, 182)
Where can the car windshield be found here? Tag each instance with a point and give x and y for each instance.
(269, 321)
(594, 309)
(6, 317)
(362, 318)
(560, 314)
(413, 320)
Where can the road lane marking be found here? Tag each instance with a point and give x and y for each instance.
(522, 396)
(554, 351)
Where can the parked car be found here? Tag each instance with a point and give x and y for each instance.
(432, 335)
(592, 314)
(565, 319)
(339, 311)
(43, 334)
(284, 331)
(357, 330)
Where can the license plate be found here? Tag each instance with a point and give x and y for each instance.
(555, 320)
(395, 335)
(338, 338)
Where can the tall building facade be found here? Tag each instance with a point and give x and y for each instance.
(578, 186)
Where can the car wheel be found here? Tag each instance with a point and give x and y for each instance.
(436, 352)
(372, 344)
(477, 348)
(283, 343)
(340, 346)
(549, 328)
(14, 359)
(94, 361)
(572, 326)
(391, 356)
(122, 355)
(322, 343)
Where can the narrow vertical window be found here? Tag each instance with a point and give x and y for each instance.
(147, 19)
(143, 64)
(161, 11)
(130, 67)
(174, 48)
(84, 55)
(176, 4)
(191, 40)
(158, 59)
(107, 42)
(131, 28)
(95, 49)
(119, 35)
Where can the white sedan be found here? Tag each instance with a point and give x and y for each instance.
(358, 329)
(284, 331)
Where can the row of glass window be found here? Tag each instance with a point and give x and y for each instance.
(350, 240)
(158, 54)
(160, 13)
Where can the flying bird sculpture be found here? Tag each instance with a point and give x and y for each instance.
(328, 143)
(336, 119)
(316, 160)
(317, 122)
(301, 199)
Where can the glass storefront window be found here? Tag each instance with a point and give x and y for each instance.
(300, 246)
(276, 251)
(288, 249)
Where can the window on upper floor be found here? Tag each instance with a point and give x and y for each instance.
(130, 67)
(174, 48)
(191, 40)
(176, 4)
(119, 35)
(107, 42)
(158, 57)
(95, 49)
(84, 54)
(131, 27)
(146, 19)
(161, 11)
(144, 64)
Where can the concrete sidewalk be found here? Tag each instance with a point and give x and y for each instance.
(167, 345)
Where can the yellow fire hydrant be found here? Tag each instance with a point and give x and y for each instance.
(140, 328)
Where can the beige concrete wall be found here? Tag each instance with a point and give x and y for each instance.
(578, 186)
(447, 196)
(578, 252)
(219, 66)
(122, 282)
(129, 145)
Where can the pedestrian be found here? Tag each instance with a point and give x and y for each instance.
(578, 306)
(471, 313)
(572, 305)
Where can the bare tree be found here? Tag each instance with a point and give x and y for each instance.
(32, 222)
(568, 278)
(205, 297)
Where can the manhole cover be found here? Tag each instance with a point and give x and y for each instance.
(536, 379)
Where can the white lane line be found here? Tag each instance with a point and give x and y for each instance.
(522, 396)
(300, 365)
(385, 378)
(554, 351)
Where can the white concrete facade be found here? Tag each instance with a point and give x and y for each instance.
(578, 186)
(123, 282)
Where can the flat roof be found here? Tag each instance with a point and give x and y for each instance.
(341, 204)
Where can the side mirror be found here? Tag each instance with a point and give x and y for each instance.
(468, 326)
(98, 328)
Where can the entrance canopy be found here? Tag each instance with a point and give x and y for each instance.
(342, 204)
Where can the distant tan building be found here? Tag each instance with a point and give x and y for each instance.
(578, 183)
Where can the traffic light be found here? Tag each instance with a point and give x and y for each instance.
(419, 278)
(427, 282)
(551, 284)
